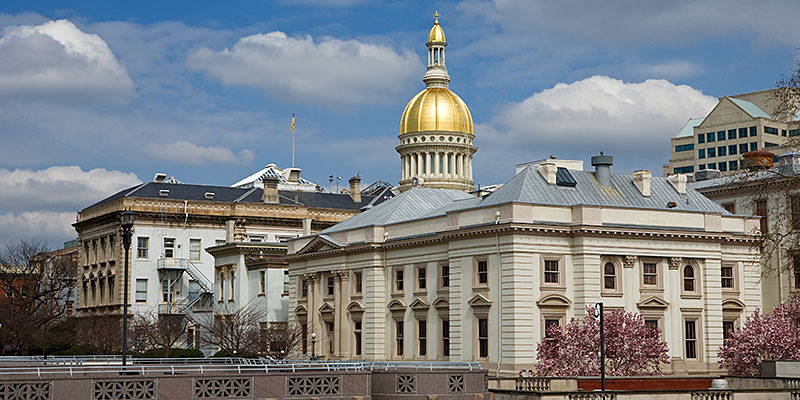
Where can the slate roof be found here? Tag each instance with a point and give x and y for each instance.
(409, 205)
(529, 186)
(240, 195)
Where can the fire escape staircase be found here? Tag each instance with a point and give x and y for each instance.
(172, 269)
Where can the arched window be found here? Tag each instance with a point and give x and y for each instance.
(221, 286)
(610, 276)
(688, 278)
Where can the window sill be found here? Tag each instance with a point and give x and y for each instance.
(691, 296)
(398, 294)
(553, 288)
(358, 295)
(262, 294)
(611, 294)
(730, 292)
(285, 294)
(421, 292)
(443, 290)
(651, 289)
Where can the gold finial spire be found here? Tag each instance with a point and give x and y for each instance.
(436, 16)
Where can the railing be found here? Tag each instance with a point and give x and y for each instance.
(533, 384)
(189, 267)
(592, 396)
(712, 395)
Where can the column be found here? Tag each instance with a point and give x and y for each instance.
(451, 161)
(311, 320)
(469, 167)
(420, 164)
(437, 161)
(345, 327)
(412, 159)
(337, 311)
(460, 165)
(427, 163)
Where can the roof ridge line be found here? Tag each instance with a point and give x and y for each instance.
(135, 189)
(247, 193)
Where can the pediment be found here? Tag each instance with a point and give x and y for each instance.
(554, 300)
(653, 302)
(479, 301)
(326, 308)
(396, 305)
(355, 307)
(725, 112)
(300, 310)
(441, 303)
(419, 304)
(319, 244)
(732, 305)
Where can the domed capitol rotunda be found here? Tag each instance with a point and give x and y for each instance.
(436, 129)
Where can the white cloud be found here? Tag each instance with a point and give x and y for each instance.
(329, 71)
(60, 188)
(189, 153)
(56, 59)
(633, 121)
(47, 226)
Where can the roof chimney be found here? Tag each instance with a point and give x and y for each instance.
(293, 175)
(678, 182)
(602, 168)
(355, 189)
(548, 171)
(270, 194)
(641, 179)
(789, 163)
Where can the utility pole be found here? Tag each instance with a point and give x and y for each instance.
(598, 312)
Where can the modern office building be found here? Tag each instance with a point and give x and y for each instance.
(738, 124)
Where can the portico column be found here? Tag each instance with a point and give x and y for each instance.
(427, 163)
(452, 163)
(343, 332)
(460, 165)
(337, 311)
(312, 309)
(437, 163)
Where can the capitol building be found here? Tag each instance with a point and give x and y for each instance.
(442, 272)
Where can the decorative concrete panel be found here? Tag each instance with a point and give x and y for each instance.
(222, 388)
(25, 390)
(144, 389)
(313, 386)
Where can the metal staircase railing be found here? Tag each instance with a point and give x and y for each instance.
(204, 284)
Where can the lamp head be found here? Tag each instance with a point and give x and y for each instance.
(313, 335)
(126, 219)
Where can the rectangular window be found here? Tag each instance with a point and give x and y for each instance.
(712, 165)
(445, 276)
(727, 277)
(262, 282)
(731, 134)
(684, 170)
(549, 324)
(357, 282)
(770, 130)
(711, 137)
(446, 338)
(650, 274)
(142, 246)
(732, 149)
(483, 337)
(701, 167)
(721, 135)
(768, 144)
(194, 249)
(701, 138)
(712, 152)
(422, 335)
(727, 329)
(286, 282)
(221, 286)
(551, 271)
(742, 133)
(194, 289)
(754, 146)
(701, 153)
(330, 285)
(753, 131)
(733, 165)
(303, 288)
(722, 166)
(141, 290)
(691, 339)
(794, 132)
(796, 265)
(684, 147)
(422, 278)
(232, 286)
(483, 272)
(166, 292)
(169, 247)
(761, 211)
(398, 337)
(794, 211)
(652, 326)
(743, 148)
(722, 151)
(730, 207)
(304, 338)
(398, 280)
(357, 336)
(783, 133)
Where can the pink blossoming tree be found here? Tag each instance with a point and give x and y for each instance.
(632, 347)
(763, 337)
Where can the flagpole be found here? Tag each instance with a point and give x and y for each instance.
(292, 140)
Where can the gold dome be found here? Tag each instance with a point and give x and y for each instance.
(436, 109)
(437, 33)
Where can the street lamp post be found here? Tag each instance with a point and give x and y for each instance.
(313, 340)
(126, 220)
(598, 312)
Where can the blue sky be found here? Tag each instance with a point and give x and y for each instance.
(97, 96)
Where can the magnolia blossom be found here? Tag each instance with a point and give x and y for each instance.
(763, 337)
(632, 347)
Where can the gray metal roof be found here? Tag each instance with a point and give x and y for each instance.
(406, 206)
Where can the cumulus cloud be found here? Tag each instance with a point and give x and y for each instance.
(56, 59)
(59, 188)
(329, 71)
(189, 153)
(47, 226)
(633, 121)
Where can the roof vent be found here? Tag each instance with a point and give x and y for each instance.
(602, 168)
(160, 177)
(641, 179)
(163, 192)
(210, 195)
